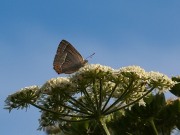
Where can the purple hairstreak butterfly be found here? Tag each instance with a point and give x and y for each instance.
(67, 59)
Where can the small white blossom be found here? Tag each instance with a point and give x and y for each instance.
(160, 81)
(142, 103)
(90, 71)
(95, 67)
(22, 98)
(24, 91)
(59, 82)
(135, 70)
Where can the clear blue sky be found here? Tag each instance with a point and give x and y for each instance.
(120, 32)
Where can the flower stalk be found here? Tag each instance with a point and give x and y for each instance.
(153, 126)
(102, 125)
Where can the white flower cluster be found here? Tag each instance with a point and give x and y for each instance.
(22, 98)
(134, 71)
(127, 83)
(160, 81)
(142, 82)
(24, 91)
(153, 79)
(59, 82)
(88, 72)
(95, 67)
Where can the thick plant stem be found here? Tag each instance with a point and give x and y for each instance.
(153, 126)
(103, 126)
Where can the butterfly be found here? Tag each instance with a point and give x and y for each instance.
(67, 59)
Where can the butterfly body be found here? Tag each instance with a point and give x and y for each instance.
(67, 59)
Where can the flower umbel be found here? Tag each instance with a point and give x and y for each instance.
(160, 81)
(22, 98)
(56, 83)
(92, 93)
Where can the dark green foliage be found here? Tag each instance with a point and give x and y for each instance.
(176, 88)
(137, 121)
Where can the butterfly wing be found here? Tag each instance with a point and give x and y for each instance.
(67, 59)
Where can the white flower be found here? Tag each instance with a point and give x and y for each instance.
(160, 81)
(23, 91)
(59, 82)
(136, 71)
(142, 103)
(90, 71)
(95, 67)
(22, 97)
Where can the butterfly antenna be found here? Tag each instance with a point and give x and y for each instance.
(90, 56)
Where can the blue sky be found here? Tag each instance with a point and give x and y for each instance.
(120, 32)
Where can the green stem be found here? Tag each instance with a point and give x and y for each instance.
(57, 113)
(95, 94)
(100, 95)
(88, 99)
(103, 126)
(104, 107)
(114, 110)
(78, 104)
(119, 99)
(153, 126)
